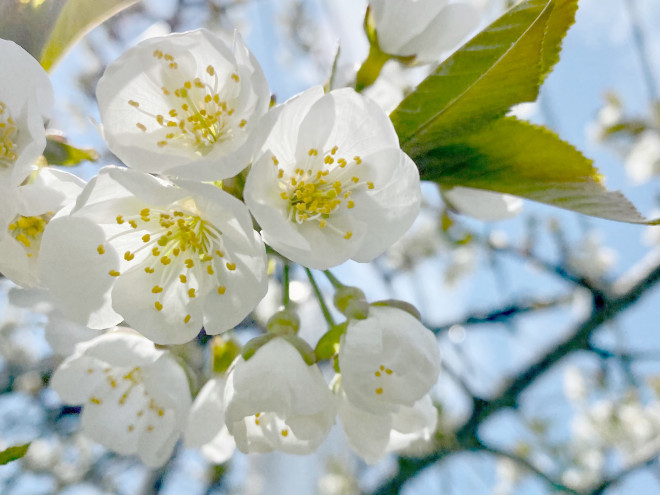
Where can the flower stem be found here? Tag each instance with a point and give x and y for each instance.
(286, 300)
(333, 280)
(319, 296)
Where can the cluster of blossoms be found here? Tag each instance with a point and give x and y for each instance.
(607, 432)
(152, 253)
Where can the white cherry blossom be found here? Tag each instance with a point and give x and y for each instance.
(276, 401)
(483, 205)
(643, 160)
(34, 205)
(135, 397)
(425, 29)
(387, 360)
(26, 98)
(372, 435)
(183, 105)
(166, 258)
(330, 182)
(206, 427)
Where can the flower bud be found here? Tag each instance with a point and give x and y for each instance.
(352, 302)
(284, 322)
(224, 353)
(405, 306)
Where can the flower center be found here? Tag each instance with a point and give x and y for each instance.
(382, 373)
(29, 230)
(8, 131)
(198, 116)
(175, 246)
(128, 383)
(321, 187)
(269, 422)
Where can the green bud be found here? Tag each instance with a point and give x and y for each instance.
(328, 345)
(253, 345)
(352, 303)
(224, 353)
(284, 322)
(395, 303)
(305, 350)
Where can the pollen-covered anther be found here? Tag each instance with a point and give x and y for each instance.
(199, 116)
(8, 132)
(315, 193)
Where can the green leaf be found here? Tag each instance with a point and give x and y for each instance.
(48, 28)
(562, 18)
(515, 157)
(502, 66)
(13, 453)
(76, 19)
(59, 152)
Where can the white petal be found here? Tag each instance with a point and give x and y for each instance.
(123, 348)
(412, 424)
(399, 21)
(367, 433)
(74, 272)
(63, 335)
(15, 265)
(50, 191)
(482, 205)
(354, 123)
(207, 415)
(390, 210)
(26, 80)
(387, 360)
(132, 297)
(288, 118)
(444, 32)
(73, 381)
(220, 448)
